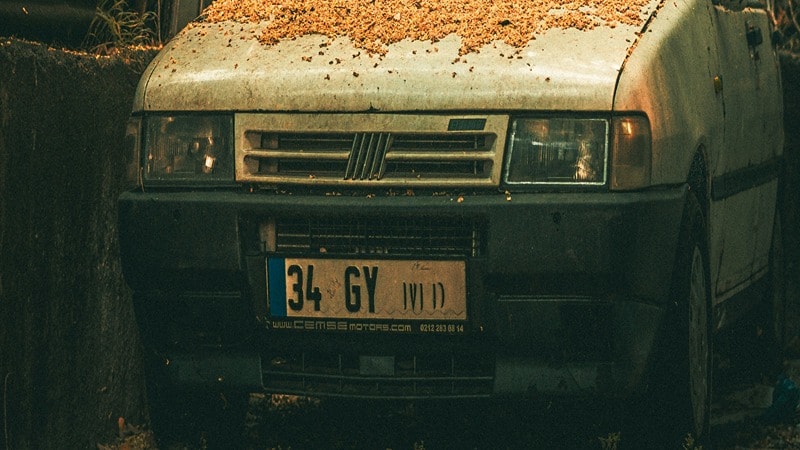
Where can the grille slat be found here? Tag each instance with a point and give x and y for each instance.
(372, 154)
(369, 158)
(355, 152)
(450, 142)
(443, 237)
(415, 376)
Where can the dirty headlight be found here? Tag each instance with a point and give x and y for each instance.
(557, 151)
(188, 148)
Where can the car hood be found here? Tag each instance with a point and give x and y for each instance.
(223, 67)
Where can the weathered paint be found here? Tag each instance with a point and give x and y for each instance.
(705, 91)
(562, 69)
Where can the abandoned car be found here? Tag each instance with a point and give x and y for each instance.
(562, 203)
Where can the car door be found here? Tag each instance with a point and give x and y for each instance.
(743, 184)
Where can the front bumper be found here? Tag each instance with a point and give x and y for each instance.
(567, 294)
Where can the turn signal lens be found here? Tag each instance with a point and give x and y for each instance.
(132, 149)
(631, 153)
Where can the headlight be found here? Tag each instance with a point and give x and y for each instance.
(549, 151)
(188, 148)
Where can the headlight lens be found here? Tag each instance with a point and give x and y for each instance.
(181, 148)
(557, 151)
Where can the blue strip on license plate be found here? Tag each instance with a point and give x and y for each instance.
(276, 269)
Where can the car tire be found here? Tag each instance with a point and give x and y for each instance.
(678, 400)
(700, 342)
(692, 292)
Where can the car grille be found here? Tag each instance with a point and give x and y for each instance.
(393, 377)
(400, 236)
(369, 150)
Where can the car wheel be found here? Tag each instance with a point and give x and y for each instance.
(693, 297)
(699, 347)
(679, 396)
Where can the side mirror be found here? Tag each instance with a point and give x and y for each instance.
(754, 36)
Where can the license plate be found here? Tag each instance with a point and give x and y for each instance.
(367, 289)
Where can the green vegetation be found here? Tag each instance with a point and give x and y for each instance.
(611, 442)
(689, 443)
(786, 17)
(116, 27)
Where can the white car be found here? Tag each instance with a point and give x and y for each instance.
(576, 214)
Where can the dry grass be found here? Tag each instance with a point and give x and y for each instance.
(115, 26)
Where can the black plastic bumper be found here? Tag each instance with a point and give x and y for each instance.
(567, 291)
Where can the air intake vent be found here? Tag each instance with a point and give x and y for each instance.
(401, 236)
(400, 151)
(413, 376)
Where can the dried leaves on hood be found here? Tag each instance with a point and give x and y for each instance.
(375, 24)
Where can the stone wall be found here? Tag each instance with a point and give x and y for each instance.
(69, 349)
